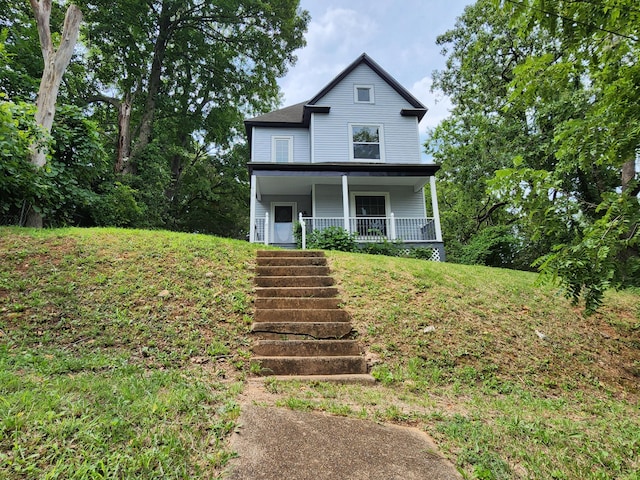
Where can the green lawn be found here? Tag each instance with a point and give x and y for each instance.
(122, 355)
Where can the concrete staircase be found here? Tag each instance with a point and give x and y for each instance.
(302, 331)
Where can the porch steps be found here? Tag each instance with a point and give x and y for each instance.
(301, 330)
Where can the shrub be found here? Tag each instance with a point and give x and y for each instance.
(118, 207)
(332, 238)
(385, 247)
(422, 253)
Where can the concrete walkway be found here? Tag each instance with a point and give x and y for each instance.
(277, 444)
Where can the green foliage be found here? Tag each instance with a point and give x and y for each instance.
(19, 180)
(591, 265)
(481, 135)
(492, 246)
(297, 233)
(384, 247)
(118, 207)
(589, 193)
(332, 238)
(422, 253)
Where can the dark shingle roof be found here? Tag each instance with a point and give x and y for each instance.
(287, 115)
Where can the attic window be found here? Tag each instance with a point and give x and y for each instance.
(363, 93)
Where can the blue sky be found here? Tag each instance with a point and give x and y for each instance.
(400, 35)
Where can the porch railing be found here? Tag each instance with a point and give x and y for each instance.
(375, 229)
(367, 229)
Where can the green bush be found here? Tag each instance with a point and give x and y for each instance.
(422, 253)
(385, 247)
(332, 238)
(118, 207)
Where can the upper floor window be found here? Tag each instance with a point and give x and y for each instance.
(282, 149)
(366, 142)
(363, 94)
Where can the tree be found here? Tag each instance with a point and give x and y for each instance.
(598, 45)
(481, 136)
(55, 63)
(203, 64)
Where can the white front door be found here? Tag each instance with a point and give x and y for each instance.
(283, 215)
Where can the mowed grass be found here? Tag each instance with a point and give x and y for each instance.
(122, 354)
(510, 379)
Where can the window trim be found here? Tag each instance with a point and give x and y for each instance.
(364, 193)
(354, 214)
(274, 141)
(371, 93)
(380, 142)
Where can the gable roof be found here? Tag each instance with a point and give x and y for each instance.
(367, 60)
(298, 115)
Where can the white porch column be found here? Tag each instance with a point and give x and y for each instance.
(434, 206)
(345, 202)
(303, 231)
(252, 211)
(392, 221)
(266, 228)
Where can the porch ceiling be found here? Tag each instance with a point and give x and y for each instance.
(297, 179)
(287, 185)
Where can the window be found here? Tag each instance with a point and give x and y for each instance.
(371, 213)
(282, 149)
(366, 142)
(363, 93)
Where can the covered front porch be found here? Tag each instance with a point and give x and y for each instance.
(374, 202)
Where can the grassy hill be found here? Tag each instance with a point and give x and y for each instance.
(123, 353)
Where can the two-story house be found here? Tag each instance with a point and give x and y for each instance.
(349, 157)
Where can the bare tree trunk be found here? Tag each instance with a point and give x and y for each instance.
(55, 63)
(123, 165)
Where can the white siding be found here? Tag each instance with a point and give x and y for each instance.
(331, 140)
(262, 143)
(328, 201)
(404, 202)
(264, 206)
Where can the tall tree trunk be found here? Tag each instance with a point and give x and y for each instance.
(55, 63)
(159, 51)
(123, 164)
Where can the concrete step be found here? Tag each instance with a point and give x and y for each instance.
(299, 281)
(292, 302)
(306, 292)
(311, 365)
(290, 261)
(343, 379)
(305, 348)
(333, 330)
(290, 253)
(279, 315)
(295, 271)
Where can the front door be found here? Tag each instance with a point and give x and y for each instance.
(283, 215)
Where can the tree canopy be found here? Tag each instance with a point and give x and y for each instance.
(539, 154)
(166, 85)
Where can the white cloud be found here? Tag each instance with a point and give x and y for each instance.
(338, 34)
